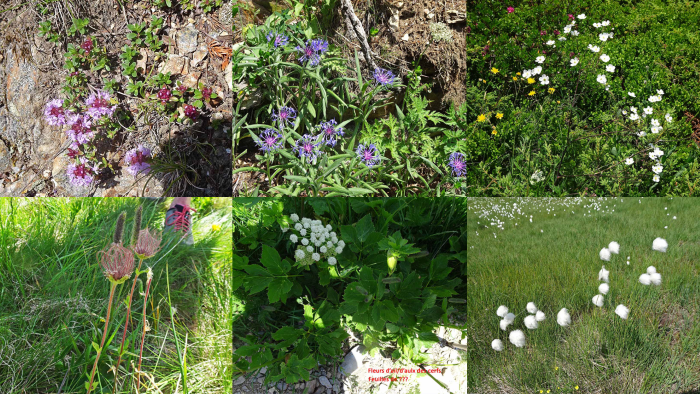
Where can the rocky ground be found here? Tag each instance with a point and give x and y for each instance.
(197, 49)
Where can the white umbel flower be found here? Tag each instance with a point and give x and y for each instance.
(517, 338)
(531, 307)
(294, 217)
(332, 261)
(622, 311)
(316, 257)
(310, 249)
(293, 238)
(530, 322)
(603, 275)
(614, 247)
(604, 288)
(605, 254)
(598, 300)
(497, 345)
(502, 311)
(563, 317)
(645, 279)
(298, 226)
(299, 254)
(539, 316)
(660, 245)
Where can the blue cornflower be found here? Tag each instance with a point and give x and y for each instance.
(270, 140)
(307, 147)
(310, 53)
(319, 45)
(369, 154)
(279, 40)
(459, 166)
(383, 77)
(330, 132)
(286, 115)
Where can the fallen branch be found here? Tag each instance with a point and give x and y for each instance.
(355, 26)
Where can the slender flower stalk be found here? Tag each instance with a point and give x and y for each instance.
(112, 287)
(126, 325)
(143, 334)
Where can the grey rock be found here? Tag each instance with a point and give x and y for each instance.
(325, 382)
(239, 381)
(198, 56)
(353, 360)
(174, 65)
(311, 385)
(187, 40)
(226, 14)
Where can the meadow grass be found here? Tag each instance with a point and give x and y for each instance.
(53, 296)
(553, 261)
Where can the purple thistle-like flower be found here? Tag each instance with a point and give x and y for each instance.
(329, 132)
(99, 105)
(82, 173)
(307, 147)
(458, 164)
(309, 54)
(319, 45)
(80, 129)
(369, 154)
(270, 140)
(278, 40)
(136, 161)
(55, 114)
(383, 77)
(285, 115)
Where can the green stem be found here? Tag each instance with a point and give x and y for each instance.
(126, 325)
(113, 286)
(143, 335)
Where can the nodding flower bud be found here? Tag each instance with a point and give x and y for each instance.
(119, 228)
(117, 263)
(137, 225)
(147, 244)
(391, 261)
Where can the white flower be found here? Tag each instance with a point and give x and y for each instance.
(334, 240)
(539, 316)
(610, 68)
(648, 110)
(655, 278)
(293, 238)
(304, 241)
(332, 261)
(306, 224)
(582, 16)
(316, 257)
(598, 300)
(574, 61)
(597, 25)
(601, 79)
(633, 109)
(561, 38)
(341, 243)
(497, 345)
(531, 307)
(604, 254)
(605, 58)
(654, 122)
(605, 23)
(651, 270)
(544, 80)
(614, 247)
(603, 288)
(658, 169)
(593, 48)
(629, 161)
(563, 317)
(632, 95)
(302, 232)
(654, 99)
(656, 178)
(634, 116)
(603, 36)
(298, 226)
(622, 311)
(299, 254)
(309, 248)
(659, 245)
(669, 119)
(604, 274)
(502, 311)
(574, 33)
(642, 133)
(660, 92)
(339, 250)
(550, 43)
(540, 59)
(517, 338)
(624, 112)
(323, 249)
(294, 217)
(527, 74)
(530, 322)
(536, 70)
(645, 279)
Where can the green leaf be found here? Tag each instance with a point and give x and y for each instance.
(248, 350)
(271, 259)
(349, 234)
(310, 107)
(392, 328)
(388, 311)
(367, 279)
(278, 290)
(364, 228)
(439, 267)
(287, 333)
(96, 347)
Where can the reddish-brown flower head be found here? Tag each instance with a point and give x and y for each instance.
(117, 262)
(147, 244)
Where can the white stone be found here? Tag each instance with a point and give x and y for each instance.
(353, 360)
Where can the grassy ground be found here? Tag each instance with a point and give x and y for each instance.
(553, 261)
(53, 296)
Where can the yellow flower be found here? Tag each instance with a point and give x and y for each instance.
(499, 115)
(556, 368)
(515, 78)
(547, 390)
(494, 70)
(576, 387)
(558, 102)
(215, 227)
(550, 90)
(494, 132)
(481, 118)
(531, 80)
(517, 73)
(531, 93)
(541, 391)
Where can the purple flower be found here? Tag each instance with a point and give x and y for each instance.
(80, 130)
(319, 45)
(459, 166)
(164, 94)
(330, 132)
(270, 140)
(191, 112)
(136, 160)
(307, 147)
(286, 115)
(82, 173)
(54, 113)
(99, 105)
(309, 54)
(510, 10)
(543, 32)
(383, 77)
(369, 154)
(278, 40)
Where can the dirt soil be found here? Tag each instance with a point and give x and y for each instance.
(197, 49)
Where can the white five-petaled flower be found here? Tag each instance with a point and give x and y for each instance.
(622, 311)
(669, 119)
(656, 129)
(574, 33)
(660, 92)
(563, 317)
(605, 58)
(536, 70)
(581, 16)
(632, 95)
(601, 79)
(655, 122)
(561, 38)
(634, 116)
(540, 59)
(527, 74)
(544, 80)
(603, 36)
(648, 110)
(605, 23)
(629, 161)
(550, 42)
(610, 68)
(593, 48)
(658, 169)
(574, 61)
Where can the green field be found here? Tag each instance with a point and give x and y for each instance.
(554, 262)
(53, 299)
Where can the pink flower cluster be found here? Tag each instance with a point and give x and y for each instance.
(136, 159)
(82, 172)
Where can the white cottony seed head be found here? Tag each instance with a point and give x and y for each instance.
(502, 310)
(497, 345)
(598, 300)
(539, 316)
(603, 288)
(530, 322)
(531, 307)
(517, 338)
(563, 317)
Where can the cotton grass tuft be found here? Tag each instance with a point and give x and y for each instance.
(603, 275)
(660, 245)
(563, 317)
(655, 278)
(504, 324)
(502, 311)
(603, 288)
(651, 270)
(497, 345)
(645, 279)
(622, 311)
(614, 247)
(605, 254)
(539, 316)
(598, 300)
(509, 318)
(530, 322)
(517, 338)
(531, 307)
